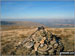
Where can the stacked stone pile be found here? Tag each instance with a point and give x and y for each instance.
(42, 43)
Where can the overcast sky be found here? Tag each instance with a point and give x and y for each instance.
(37, 9)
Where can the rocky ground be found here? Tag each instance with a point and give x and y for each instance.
(12, 38)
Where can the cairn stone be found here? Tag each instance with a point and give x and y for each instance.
(42, 42)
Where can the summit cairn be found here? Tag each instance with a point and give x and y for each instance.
(41, 42)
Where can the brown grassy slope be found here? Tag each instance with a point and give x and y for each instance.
(11, 38)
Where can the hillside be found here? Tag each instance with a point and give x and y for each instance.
(13, 32)
(19, 24)
(11, 38)
(55, 23)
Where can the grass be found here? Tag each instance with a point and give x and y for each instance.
(11, 37)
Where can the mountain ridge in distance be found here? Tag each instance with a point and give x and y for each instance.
(58, 23)
(21, 23)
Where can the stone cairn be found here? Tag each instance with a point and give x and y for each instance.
(41, 42)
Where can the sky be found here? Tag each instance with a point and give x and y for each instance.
(37, 9)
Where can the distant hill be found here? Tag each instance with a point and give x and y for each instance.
(20, 23)
(57, 23)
